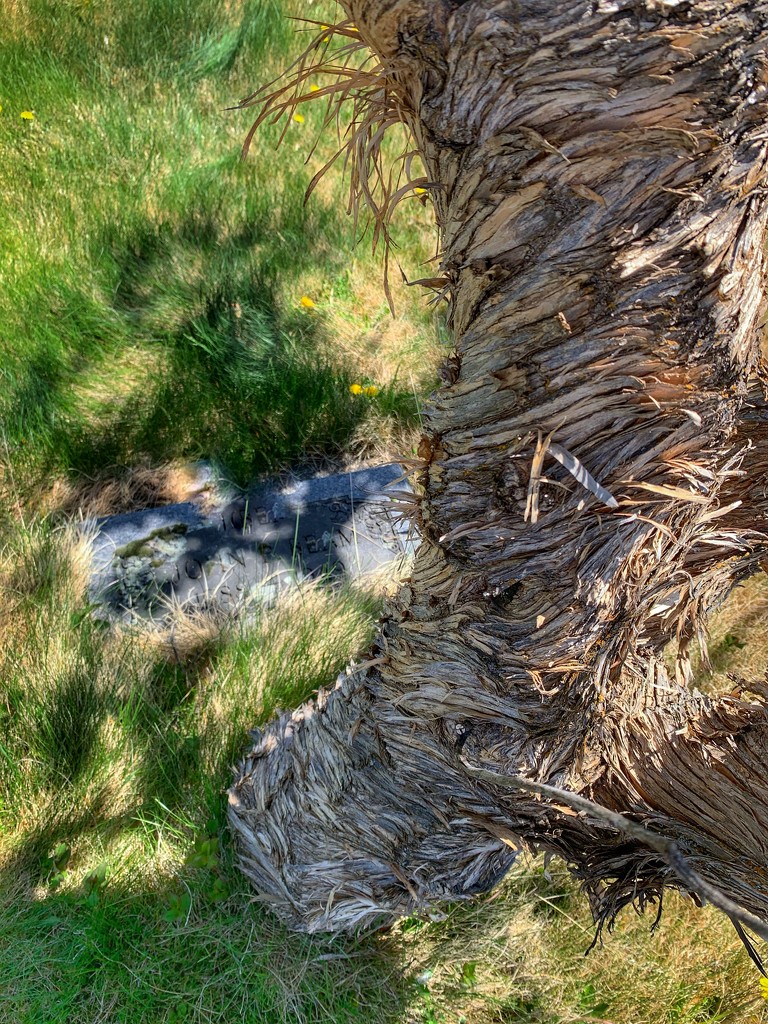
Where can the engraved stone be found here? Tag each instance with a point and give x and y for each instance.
(249, 548)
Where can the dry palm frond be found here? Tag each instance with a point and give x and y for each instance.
(364, 103)
(537, 463)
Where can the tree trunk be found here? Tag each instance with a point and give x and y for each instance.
(597, 174)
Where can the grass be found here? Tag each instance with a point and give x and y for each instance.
(153, 280)
(152, 316)
(116, 749)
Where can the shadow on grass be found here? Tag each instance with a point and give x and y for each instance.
(189, 948)
(72, 775)
(237, 379)
(221, 370)
(177, 341)
(127, 740)
(141, 937)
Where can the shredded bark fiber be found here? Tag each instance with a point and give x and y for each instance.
(593, 478)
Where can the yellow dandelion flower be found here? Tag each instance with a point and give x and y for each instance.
(371, 391)
(306, 303)
(324, 28)
(314, 88)
(1, 108)
(356, 389)
(764, 988)
(27, 115)
(298, 118)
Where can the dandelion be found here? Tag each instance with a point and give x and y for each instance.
(27, 115)
(306, 303)
(298, 118)
(356, 389)
(314, 88)
(371, 391)
(324, 28)
(764, 988)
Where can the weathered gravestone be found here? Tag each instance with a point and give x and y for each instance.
(249, 548)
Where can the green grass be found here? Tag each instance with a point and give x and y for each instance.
(151, 278)
(116, 749)
(151, 314)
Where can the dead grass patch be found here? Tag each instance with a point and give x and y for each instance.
(738, 639)
(126, 491)
(520, 954)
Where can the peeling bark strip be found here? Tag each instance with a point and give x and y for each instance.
(597, 174)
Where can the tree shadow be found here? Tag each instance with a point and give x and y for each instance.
(75, 768)
(178, 343)
(238, 380)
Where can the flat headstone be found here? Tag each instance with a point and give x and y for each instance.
(249, 548)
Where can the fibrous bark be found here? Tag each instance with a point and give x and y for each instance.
(597, 174)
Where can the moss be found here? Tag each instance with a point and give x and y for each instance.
(141, 547)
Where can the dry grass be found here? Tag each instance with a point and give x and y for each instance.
(117, 492)
(387, 344)
(738, 639)
(35, 561)
(70, 684)
(521, 955)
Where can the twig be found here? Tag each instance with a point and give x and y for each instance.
(659, 844)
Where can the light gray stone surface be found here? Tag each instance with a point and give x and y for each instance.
(249, 548)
